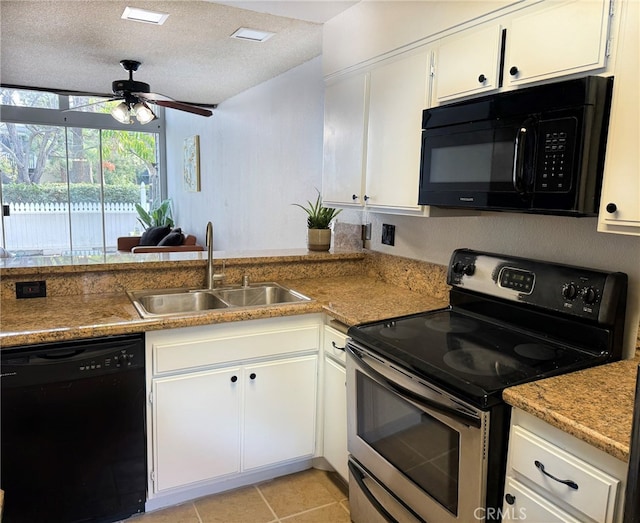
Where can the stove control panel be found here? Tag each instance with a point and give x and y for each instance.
(577, 291)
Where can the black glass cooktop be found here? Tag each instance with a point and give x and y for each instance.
(468, 355)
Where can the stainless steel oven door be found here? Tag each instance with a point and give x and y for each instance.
(426, 447)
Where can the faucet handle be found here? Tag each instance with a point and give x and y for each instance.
(245, 280)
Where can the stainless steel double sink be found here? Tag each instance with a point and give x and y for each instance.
(171, 302)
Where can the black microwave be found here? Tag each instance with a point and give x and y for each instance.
(537, 150)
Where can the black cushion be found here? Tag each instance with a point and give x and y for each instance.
(153, 235)
(173, 238)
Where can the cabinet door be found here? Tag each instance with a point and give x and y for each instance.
(398, 95)
(345, 120)
(467, 63)
(522, 504)
(196, 430)
(556, 39)
(279, 411)
(335, 416)
(620, 200)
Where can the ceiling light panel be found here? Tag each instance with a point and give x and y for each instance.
(136, 14)
(253, 35)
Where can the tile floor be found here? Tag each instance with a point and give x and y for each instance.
(312, 496)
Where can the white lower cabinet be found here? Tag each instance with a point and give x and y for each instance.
(525, 505)
(279, 411)
(335, 402)
(229, 401)
(196, 427)
(555, 477)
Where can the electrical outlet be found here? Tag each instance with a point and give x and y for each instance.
(388, 234)
(31, 289)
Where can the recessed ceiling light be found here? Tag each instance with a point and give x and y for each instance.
(142, 15)
(254, 35)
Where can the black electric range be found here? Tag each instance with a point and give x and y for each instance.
(510, 321)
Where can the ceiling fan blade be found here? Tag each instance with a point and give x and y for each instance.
(152, 97)
(183, 107)
(165, 101)
(78, 107)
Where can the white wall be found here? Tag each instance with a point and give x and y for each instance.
(260, 152)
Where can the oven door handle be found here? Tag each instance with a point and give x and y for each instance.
(358, 475)
(451, 411)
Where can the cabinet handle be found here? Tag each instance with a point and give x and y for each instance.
(354, 196)
(333, 344)
(366, 198)
(611, 208)
(482, 78)
(510, 498)
(513, 71)
(234, 379)
(567, 482)
(252, 376)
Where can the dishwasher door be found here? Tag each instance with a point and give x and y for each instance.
(73, 444)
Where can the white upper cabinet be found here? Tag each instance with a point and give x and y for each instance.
(556, 38)
(372, 134)
(467, 64)
(620, 198)
(345, 126)
(398, 94)
(541, 42)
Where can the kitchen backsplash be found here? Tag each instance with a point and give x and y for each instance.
(188, 270)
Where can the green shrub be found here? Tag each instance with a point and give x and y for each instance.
(77, 192)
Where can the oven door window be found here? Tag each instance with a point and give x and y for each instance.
(423, 448)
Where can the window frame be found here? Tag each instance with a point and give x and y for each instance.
(62, 117)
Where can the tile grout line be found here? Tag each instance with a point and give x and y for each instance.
(197, 513)
(277, 519)
(309, 510)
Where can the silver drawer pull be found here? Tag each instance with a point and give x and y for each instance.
(333, 344)
(567, 482)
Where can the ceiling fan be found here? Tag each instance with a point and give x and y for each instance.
(136, 96)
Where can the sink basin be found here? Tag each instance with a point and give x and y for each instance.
(172, 302)
(256, 295)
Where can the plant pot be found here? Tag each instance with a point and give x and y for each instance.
(319, 239)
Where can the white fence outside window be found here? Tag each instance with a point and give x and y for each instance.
(46, 227)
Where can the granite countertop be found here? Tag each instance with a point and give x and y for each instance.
(348, 299)
(595, 405)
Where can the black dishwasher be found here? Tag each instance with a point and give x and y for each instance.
(73, 444)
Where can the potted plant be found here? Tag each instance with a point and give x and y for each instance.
(160, 216)
(319, 218)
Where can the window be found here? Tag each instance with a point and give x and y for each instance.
(71, 174)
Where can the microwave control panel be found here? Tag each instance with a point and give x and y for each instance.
(556, 145)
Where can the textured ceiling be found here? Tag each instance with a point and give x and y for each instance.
(77, 45)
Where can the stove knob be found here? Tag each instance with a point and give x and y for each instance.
(589, 295)
(569, 291)
(458, 267)
(469, 270)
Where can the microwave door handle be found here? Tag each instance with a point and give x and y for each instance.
(518, 160)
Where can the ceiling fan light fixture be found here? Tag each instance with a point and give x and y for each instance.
(122, 113)
(136, 14)
(143, 113)
(253, 35)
